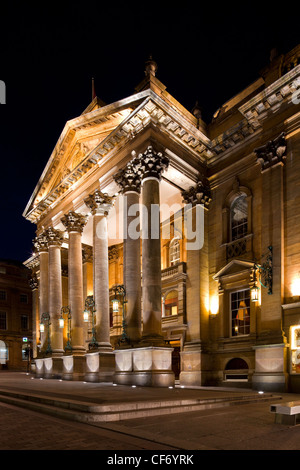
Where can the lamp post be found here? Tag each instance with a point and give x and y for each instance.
(266, 272)
(90, 310)
(119, 289)
(66, 311)
(45, 318)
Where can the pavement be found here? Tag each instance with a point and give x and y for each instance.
(76, 416)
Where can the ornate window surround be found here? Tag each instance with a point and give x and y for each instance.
(243, 245)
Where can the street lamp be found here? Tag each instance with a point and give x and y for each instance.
(266, 272)
(119, 289)
(66, 311)
(90, 310)
(45, 318)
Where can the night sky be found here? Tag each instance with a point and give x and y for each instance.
(50, 52)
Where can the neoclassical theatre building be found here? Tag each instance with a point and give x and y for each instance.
(169, 249)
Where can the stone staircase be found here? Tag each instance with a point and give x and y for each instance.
(93, 413)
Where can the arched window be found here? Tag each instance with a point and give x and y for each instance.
(3, 352)
(171, 303)
(174, 251)
(239, 217)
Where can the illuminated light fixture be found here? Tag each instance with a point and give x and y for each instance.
(86, 315)
(214, 305)
(115, 305)
(66, 311)
(254, 293)
(42, 327)
(295, 288)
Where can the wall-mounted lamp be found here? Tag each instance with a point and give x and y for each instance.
(119, 289)
(90, 311)
(214, 306)
(295, 287)
(66, 311)
(45, 319)
(265, 271)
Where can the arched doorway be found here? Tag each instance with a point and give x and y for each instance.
(236, 370)
(3, 355)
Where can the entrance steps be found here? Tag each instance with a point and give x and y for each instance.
(93, 412)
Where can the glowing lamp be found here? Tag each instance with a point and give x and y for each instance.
(61, 322)
(214, 305)
(296, 287)
(115, 304)
(86, 316)
(42, 327)
(254, 294)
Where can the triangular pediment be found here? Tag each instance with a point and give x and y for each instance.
(97, 133)
(233, 267)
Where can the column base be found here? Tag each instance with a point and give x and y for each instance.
(74, 367)
(270, 374)
(191, 373)
(100, 366)
(145, 367)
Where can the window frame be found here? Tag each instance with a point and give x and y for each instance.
(231, 310)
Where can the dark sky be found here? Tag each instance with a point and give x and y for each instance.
(50, 51)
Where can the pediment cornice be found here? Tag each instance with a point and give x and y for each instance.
(135, 114)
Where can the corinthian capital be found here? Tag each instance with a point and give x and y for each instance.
(128, 179)
(99, 203)
(33, 282)
(150, 163)
(54, 237)
(272, 152)
(40, 242)
(74, 222)
(199, 194)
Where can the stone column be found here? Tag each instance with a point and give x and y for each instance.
(41, 246)
(74, 224)
(130, 185)
(150, 166)
(55, 239)
(34, 284)
(149, 363)
(100, 205)
(271, 345)
(193, 359)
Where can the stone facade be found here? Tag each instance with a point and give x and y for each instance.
(192, 227)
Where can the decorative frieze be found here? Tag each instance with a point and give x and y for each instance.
(74, 222)
(128, 179)
(150, 163)
(99, 202)
(199, 194)
(272, 152)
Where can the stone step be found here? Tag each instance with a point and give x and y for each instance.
(111, 412)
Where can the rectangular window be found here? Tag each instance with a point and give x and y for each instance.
(24, 298)
(3, 321)
(2, 294)
(24, 322)
(240, 312)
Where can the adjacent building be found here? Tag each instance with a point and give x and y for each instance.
(15, 316)
(170, 247)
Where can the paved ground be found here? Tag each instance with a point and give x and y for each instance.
(241, 427)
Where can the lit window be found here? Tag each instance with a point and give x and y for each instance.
(3, 352)
(171, 303)
(240, 313)
(239, 217)
(174, 251)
